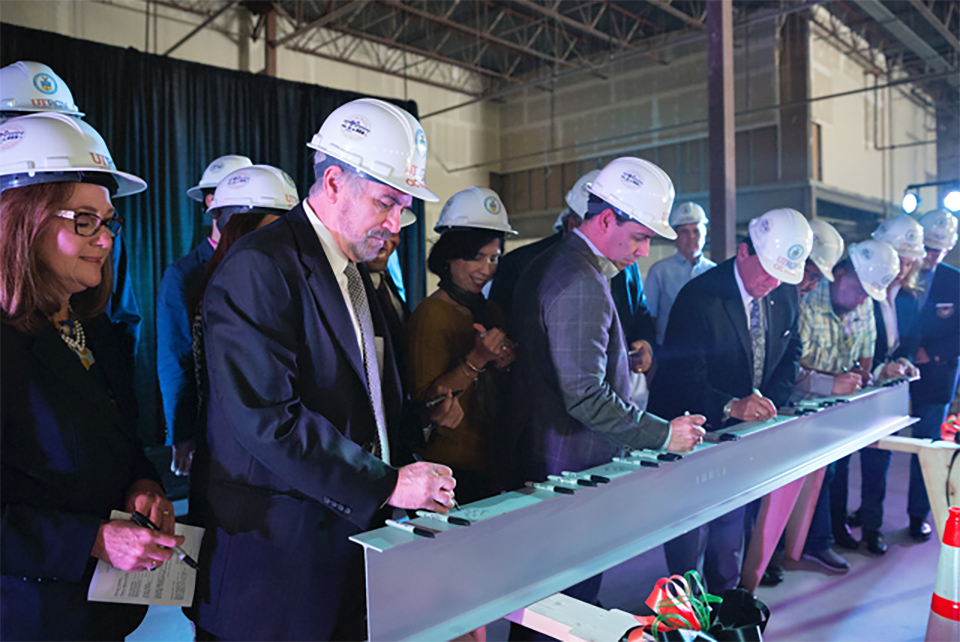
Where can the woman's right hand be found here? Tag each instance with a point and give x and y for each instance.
(486, 347)
(129, 547)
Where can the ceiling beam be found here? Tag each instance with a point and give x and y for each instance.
(936, 23)
(664, 5)
(326, 19)
(553, 14)
(452, 24)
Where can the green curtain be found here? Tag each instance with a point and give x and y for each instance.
(164, 120)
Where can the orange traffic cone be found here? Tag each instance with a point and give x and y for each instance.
(944, 622)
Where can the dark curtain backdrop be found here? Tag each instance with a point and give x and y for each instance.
(164, 120)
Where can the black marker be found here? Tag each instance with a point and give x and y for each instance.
(600, 479)
(551, 487)
(450, 519)
(140, 519)
(410, 528)
(439, 400)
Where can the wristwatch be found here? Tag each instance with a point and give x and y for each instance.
(727, 408)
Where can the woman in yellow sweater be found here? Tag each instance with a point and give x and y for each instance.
(455, 338)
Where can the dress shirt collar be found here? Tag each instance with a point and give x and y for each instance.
(338, 260)
(607, 267)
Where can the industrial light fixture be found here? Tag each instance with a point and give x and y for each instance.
(911, 201)
(951, 200)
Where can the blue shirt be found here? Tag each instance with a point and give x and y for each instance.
(664, 280)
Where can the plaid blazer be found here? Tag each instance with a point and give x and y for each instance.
(570, 385)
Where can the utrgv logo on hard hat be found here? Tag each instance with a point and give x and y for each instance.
(355, 127)
(10, 136)
(289, 180)
(630, 178)
(420, 139)
(795, 252)
(45, 84)
(492, 205)
(217, 166)
(886, 280)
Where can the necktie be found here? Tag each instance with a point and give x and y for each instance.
(361, 307)
(758, 341)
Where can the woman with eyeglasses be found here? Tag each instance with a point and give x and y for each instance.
(455, 339)
(70, 454)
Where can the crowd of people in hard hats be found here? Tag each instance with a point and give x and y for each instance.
(308, 403)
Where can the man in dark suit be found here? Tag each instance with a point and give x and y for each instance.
(938, 357)
(304, 401)
(571, 372)
(730, 352)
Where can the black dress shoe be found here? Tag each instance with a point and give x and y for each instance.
(919, 529)
(772, 576)
(843, 538)
(853, 519)
(875, 543)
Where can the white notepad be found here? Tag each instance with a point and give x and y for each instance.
(172, 584)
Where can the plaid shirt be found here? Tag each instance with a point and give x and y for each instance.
(832, 344)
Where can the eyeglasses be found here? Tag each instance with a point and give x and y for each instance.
(88, 224)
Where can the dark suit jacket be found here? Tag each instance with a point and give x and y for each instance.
(289, 480)
(706, 358)
(69, 454)
(938, 332)
(571, 379)
(175, 369)
(908, 309)
(626, 289)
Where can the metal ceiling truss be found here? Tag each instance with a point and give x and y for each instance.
(480, 47)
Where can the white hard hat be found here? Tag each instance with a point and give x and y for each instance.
(827, 247)
(53, 148)
(579, 194)
(782, 239)
(687, 213)
(407, 218)
(939, 229)
(876, 264)
(640, 190)
(27, 87)
(253, 188)
(215, 172)
(380, 140)
(904, 234)
(476, 207)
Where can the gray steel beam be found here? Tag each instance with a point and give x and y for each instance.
(201, 26)
(336, 14)
(663, 5)
(907, 36)
(722, 137)
(936, 24)
(526, 545)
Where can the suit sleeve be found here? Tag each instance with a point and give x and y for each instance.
(175, 368)
(253, 328)
(577, 323)
(46, 543)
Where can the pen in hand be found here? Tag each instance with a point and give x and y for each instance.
(142, 520)
(419, 458)
(439, 400)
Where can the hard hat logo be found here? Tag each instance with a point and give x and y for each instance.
(216, 166)
(796, 251)
(289, 180)
(100, 159)
(492, 205)
(355, 127)
(45, 84)
(629, 178)
(10, 136)
(420, 139)
(237, 181)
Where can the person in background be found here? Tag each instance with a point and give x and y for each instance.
(28, 87)
(827, 250)
(393, 303)
(456, 339)
(303, 417)
(570, 385)
(245, 200)
(667, 276)
(938, 355)
(730, 353)
(835, 350)
(895, 317)
(175, 370)
(70, 452)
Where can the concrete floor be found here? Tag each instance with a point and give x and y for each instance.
(880, 599)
